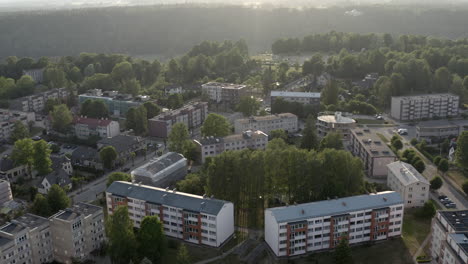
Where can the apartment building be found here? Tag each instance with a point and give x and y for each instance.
(192, 115)
(36, 102)
(5, 192)
(76, 232)
(213, 146)
(449, 244)
(162, 171)
(296, 97)
(417, 107)
(299, 229)
(336, 123)
(285, 121)
(224, 92)
(36, 74)
(404, 179)
(374, 153)
(8, 118)
(438, 130)
(192, 218)
(104, 128)
(26, 239)
(117, 104)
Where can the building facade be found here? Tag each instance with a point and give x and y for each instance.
(36, 102)
(162, 171)
(9, 170)
(438, 130)
(406, 108)
(104, 128)
(192, 218)
(296, 97)
(117, 104)
(76, 232)
(8, 118)
(124, 145)
(336, 123)
(449, 241)
(192, 115)
(299, 229)
(5, 192)
(36, 74)
(374, 153)
(224, 92)
(285, 121)
(404, 179)
(211, 146)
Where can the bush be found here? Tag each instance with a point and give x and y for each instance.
(436, 183)
(437, 160)
(414, 141)
(428, 210)
(419, 166)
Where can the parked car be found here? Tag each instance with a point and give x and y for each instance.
(451, 205)
(442, 197)
(402, 131)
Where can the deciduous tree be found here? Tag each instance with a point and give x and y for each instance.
(20, 131)
(108, 155)
(57, 199)
(343, 252)
(332, 141)
(183, 256)
(248, 106)
(215, 125)
(118, 176)
(309, 135)
(22, 154)
(61, 118)
(41, 206)
(461, 153)
(151, 233)
(41, 156)
(436, 183)
(122, 242)
(178, 138)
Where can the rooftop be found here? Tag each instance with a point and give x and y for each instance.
(336, 118)
(160, 196)
(121, 143)
(425, 96)
(92, 122)
(154, 167)
(249, 134)
(294, 94)
(4, 241)
(442, 123)
(26, 221)
(406, 173)
(372, 143)
(225, 85)
(335, 207)
(458, 220)
(176, 112)
(59, 177)
(6, 164)
(462, 240)
(85, 153)
(266, 118)
(77, 210)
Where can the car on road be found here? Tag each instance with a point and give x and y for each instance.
(402, 131)
(158, 145)
(451, 205)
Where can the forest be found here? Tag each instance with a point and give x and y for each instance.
(171, 30)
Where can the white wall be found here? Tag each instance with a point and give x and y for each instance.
(271, 232)
(395, 108)
(225, 223)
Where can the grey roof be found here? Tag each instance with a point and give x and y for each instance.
(160, 196)
(426, 96)
(406, 173)
(335, 207)
(77, 210)
(30, 220)
(84, 153)
(58, 161)
(157, 167)
(6, 164)
(372, 142)
(59, 177)
(246, 135)
(4, 241)
(12, 228)
(294, 94)
(121, 143)
(457, 219)
(462, 240)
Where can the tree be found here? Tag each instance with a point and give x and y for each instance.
(309, 135)
(20, 131)
(461, 153)
(151, 233)
(41, 157)
(50, 104)
(137, 120)
(41, 206)
(278, 133)
(215, 125)
(108, 155)
(332, 141)
(61, 118)
(443, 166)
(437, 160)
(397, 144)
(193, 183)
(442, 80)
(190, 150)
(330, 93)
(57, 199)
(248, 106)
(414, 141)
(152, 109)
(25, 85)
(178, 138)
(54, 77)
(118, 176)
(122, 72)
(94, 108)
(122, 242)
(428, 210)
(183, 256)
(465, 187)
(419, 165)
(436, 183)
(175, 101)
(343, 252)
(23, 153)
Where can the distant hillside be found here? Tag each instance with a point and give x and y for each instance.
(174, 29)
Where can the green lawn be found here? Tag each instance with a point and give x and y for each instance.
(415, 230)
(458, 177)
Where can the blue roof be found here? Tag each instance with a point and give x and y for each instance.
(155, 195)
(335, 207)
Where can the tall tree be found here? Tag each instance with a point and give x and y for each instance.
(343, 252)
(442, 80)
(215, 125)
(122, 241)
(152, 109)
(175, 101)
(25, 86)
(61, 118)
(94, 109)
(108, 155)
(20, 131)
(443, 166)
(41, 156)
(332, 141)
(436, 183)
(183, 256)
(57, 199)
(54, 77)
(309, 135)
(248, 106)
(151, 233)
(122, 72)
(461, 153)
(41, 206)
(330, 93)
(22, 154)
(178, 138)
(118, 176)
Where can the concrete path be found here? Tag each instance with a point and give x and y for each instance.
(206, 261)
(421, 248)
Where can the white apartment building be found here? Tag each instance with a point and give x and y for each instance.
(26, 239)
(336, 123)
(299, 229)
(224, 92)
(374, 153)
(5, 192)
(76, 232)
(296, 97)
(104, 128)
(211, 146)
(36, 102)
(192, 218)
(8, 118)
(449, 244)
(404, 179)
(416, 107)
(285, 121)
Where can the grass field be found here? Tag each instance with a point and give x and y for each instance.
(457, 177)
(415, 230)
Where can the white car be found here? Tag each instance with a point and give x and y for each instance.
(402, 131)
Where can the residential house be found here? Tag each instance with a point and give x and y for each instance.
(449, 241)
(224, 92)
(117, 104)
(8, 118)
(10, 171)
(86, 157)
(104, 127)
(296, 97)
(125, 145)
(36, 102)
